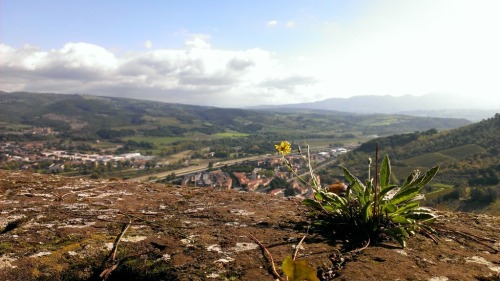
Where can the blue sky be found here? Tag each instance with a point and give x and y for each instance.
(127, 24)
(241, 53)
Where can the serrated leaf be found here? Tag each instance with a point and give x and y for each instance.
(298, 270)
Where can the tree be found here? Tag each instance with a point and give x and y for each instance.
(484, 195)
(278, 183)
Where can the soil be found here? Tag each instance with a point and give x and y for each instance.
(58, 228)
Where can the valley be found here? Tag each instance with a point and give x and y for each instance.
(134, 140)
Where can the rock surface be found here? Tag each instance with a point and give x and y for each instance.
(57, 228)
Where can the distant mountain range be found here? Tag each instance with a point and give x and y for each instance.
(431, 105)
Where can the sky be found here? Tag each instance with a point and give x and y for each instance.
(246, 53)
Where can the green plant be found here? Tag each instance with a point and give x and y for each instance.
(370, 210)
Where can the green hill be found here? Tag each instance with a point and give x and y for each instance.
(469, 160)
(85, 117)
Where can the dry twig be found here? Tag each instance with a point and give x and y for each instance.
(276, 274)
(298, 247)
(112, 255)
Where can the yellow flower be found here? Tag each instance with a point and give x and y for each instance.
(284, 147)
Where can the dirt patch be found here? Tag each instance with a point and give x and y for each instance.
(56, 228)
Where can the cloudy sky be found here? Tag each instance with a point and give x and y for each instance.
(242, 53)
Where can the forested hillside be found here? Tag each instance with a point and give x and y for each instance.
(469, 158)
(85, 117)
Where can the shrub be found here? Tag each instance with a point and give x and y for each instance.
(484, 195)
(371, 210)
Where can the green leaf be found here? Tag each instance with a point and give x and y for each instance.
(319, 223)
(383, 192)
(390, 208)
(298, 270)
(400, 219)
(355, 184)
(429, 175)
(385, 173)
(402, 232)
(312, 203)
(318, 196)
(411, 178)
(329, 208)
(366, 212)
(404, 196)
(421, 216)
(420, 181)
(401, 241)
(398, 234)
(407, 207)
(334, 199)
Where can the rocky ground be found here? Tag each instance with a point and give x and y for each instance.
(56, 228)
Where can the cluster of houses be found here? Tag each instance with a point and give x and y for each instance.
(29, 155)
(256, 182)
(41, 131)
(209, 179)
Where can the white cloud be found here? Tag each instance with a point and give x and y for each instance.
(290, 24)
(198, 41)
(272, 23)
(198, 74)
(388, 47)
(148, 44)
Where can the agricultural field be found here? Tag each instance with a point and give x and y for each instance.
(157, 141)
(462, 152)
(439, 189)
(428, 160)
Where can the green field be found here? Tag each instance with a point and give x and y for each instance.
(428, 160)
(230, 135)
(157, 141)
(13, 127)
(441, 189)
(381, 121)
(316, 143)
(462, 152)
